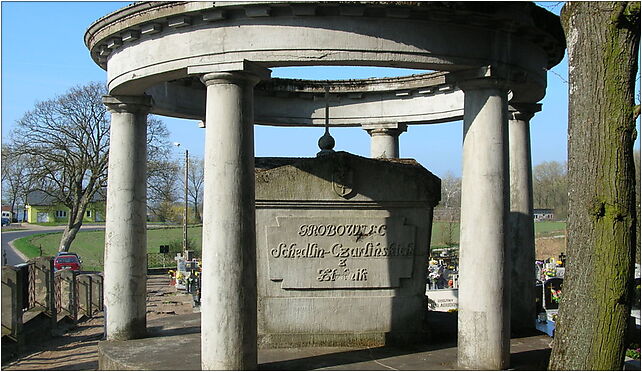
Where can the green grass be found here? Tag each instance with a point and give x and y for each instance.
(439, 229)
(157, 237)
(542, 229)
(549, 228)
(90, 244)
(63, 223)
(24, 245)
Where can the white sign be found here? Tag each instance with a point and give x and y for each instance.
(442, 299)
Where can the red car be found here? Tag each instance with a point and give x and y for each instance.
(71, 262)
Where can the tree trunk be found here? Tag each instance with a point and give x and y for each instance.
(197, 214)
(603, 40)
(72, 228)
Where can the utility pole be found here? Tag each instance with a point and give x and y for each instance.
(177, 144)
(185, 211)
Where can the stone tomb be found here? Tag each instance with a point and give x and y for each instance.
(342, 246)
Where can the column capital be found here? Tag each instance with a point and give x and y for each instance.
(128, 104)
(485, 77)
(385, 129)
(523, 111)
(240, 72)
(235, 77)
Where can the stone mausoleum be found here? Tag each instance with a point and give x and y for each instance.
(211, 61)
(342, 243)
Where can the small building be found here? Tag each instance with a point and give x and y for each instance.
(6, 212)
(543, 215)
(42, 208)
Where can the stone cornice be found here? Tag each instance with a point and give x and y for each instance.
(140, 20)
(128, 104)
(426, 83)
(402, 87)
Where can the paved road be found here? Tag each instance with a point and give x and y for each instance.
(13, 258)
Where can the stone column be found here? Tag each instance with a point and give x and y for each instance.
(126, 218)
(384, 139)
(521, 241)
(483, 317)
(228, 302)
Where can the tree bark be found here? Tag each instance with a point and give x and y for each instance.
(603, 40)
(73, 226)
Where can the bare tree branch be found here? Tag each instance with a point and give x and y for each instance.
(67, 140)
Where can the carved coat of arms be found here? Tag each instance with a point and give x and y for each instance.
(342, 180)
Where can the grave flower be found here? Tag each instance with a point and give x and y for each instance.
(550, 273)
(633, 353)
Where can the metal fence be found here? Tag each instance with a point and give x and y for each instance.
(158, 260)
(35, 299)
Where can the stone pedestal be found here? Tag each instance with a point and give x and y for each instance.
(125, 226)
(483, 322)
(341, 255)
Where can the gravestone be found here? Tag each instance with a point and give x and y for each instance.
(443, 299)
(539, 291)
(342, 246)
(552, 293)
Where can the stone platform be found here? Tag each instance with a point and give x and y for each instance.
(174, 344)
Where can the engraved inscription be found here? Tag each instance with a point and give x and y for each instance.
(330, 275)
(292, 251)
(342, 230)
(323, 252)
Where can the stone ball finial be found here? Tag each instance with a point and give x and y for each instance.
(326, 143)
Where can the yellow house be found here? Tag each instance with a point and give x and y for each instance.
(41, 209)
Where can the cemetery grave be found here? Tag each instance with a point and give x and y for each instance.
(341, 248)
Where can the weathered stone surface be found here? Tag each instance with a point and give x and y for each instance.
(228, 297)
(342, 244)
(125, 226)
(83, 283)
(12, 299)
(96, 296)
(373, 253)
(391, 34)
(68, 302)
(44, 286)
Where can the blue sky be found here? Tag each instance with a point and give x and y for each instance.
(43, 55)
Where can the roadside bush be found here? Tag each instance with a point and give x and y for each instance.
(176, 246)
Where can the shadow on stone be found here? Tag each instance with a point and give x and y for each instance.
(85, 366)
(343, 358)
(532, 360)
(160, 331)
(442, 326)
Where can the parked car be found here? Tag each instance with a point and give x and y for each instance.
(68, 254)
(67, 261)
(6, 221)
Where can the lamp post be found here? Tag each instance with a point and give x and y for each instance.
(177, 144)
